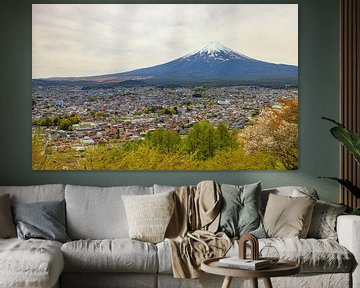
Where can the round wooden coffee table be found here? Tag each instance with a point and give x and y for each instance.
(281, 268)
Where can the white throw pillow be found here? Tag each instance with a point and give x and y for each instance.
(149, 215)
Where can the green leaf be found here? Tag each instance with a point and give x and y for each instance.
(355, 211)
(348, 138)
(348, 185)
(333, 121)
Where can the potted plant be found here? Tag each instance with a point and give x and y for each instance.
(351, 141)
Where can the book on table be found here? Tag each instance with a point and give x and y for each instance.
(249, 264)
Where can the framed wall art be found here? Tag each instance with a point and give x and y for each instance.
(164, 86)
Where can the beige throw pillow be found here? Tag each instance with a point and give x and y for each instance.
(149, 215)
(288, 217)
(7, 226)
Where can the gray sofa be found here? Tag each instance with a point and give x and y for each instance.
(101, 254)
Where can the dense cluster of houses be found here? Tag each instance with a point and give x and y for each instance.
(129, 113)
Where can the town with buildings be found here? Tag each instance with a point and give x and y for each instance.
(129, 113)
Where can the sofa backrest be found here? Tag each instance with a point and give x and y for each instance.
(35, 193)
(163, 188)
(98, 212)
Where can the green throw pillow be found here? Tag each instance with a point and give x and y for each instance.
(240, 213)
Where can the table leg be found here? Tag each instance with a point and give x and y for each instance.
(227, 282)
(267, 283)
(254, 282)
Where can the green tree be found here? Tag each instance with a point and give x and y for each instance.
(201, 140)
(204, 140)
(237, 159)
(164, 140)
(75, 119)
(226, 137)
(57, 121)
(65, 124)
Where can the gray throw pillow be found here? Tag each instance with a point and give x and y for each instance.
(323, 222)
(44, 220)
(7, 226)
(240, 213)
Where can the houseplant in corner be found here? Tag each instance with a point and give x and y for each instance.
(351, 141)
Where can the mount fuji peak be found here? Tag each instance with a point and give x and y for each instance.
(216, 52)
(212, 64)
(213, 48)
(215, 63)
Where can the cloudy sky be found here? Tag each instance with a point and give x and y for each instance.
(84, 40)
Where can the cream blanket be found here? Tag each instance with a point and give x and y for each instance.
(191, 231)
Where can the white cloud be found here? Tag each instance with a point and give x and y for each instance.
(93, 39)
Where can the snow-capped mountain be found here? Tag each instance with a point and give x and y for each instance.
(213, 63)
(216, 52)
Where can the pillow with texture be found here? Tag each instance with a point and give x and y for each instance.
(240, 212)
(288, 217)
(43, 220)
(7, 226)
(149, 215)
(323, 222)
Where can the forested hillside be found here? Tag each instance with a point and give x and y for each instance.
(269, 142)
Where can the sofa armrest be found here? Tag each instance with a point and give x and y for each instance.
(348, 230)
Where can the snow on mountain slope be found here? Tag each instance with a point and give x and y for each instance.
(216, 51)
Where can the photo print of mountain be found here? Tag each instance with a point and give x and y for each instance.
(164, 86)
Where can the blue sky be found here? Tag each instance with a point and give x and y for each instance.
(94, 39)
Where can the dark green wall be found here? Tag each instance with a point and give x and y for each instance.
(318, 62)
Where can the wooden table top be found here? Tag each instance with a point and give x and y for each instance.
(281, 268)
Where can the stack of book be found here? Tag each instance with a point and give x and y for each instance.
(248, 264)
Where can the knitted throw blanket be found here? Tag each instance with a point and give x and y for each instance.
(191, 232)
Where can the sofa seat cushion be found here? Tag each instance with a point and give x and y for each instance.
(30, 263)
(313, 255)
(115, 255)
